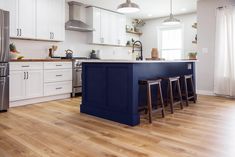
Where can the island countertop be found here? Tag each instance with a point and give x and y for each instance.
(139, 61)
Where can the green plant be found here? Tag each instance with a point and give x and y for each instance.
(192, 55)
(13, 48)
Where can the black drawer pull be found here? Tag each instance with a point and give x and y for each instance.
(58, 65)
(59, 88)
(25, 66)
(59, 75)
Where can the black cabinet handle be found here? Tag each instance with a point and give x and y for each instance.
(59, 88)
(59, 75)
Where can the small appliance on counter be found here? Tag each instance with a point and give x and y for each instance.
(52, 51)
(69, 54)
(95, 54)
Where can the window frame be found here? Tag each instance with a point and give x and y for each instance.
(159, 37)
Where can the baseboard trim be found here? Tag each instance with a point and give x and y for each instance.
(204, 92)
(38, 100)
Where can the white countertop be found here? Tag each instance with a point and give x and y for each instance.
(134, 61)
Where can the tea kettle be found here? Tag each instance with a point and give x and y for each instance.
(69, 54)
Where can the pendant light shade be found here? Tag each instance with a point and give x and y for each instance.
(171, 20)
(128, 7)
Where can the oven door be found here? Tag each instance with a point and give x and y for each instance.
(77, 77)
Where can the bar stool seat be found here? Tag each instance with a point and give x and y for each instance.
(171, 93)
(149, 108)
(187, 94)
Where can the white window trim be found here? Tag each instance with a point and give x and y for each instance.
(159, 42)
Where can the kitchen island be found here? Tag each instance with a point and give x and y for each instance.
(111, 90)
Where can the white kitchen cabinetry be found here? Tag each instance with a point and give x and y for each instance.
(32, 82)
(50, 19)
(22, 18)
(109, 27)
(17, 85)
(26, 83)
(57, 78)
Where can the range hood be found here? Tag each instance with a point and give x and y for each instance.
(77, 18)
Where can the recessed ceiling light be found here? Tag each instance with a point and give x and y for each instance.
(150, 15)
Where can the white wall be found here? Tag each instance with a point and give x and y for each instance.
(150, 37)
(206, 41)
(76, 41)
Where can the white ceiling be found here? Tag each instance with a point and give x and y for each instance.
(156, 8)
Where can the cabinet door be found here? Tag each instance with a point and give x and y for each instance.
(113, 28)
(43, 19)
(12, 6)
(34, 83)
(121, 30)
(27, 18)
(95, 23)
(57, 20)
(17, 85)
(105, 27)
(3, 5)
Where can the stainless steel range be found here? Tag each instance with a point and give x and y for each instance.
(77, 75)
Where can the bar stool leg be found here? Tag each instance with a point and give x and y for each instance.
(193, 89)
(180, 95)
(161, 99)
(171, 97)
(149, 102)
(186, 91)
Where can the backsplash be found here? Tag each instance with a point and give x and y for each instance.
(76, 41)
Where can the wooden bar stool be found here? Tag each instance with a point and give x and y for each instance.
(149, 108)
(187, 94)
(171, 93)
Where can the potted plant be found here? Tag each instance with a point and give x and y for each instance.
(192, 55)
(14, 54)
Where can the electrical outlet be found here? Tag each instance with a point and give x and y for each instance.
(189, 66)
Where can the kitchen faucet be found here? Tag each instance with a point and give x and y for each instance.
(141, 49)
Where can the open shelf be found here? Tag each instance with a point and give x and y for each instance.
(132, 32)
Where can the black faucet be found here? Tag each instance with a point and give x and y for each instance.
(141, 49)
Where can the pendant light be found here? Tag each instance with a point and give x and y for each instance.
(128, 7)
(171, 20)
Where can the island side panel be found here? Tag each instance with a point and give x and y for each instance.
(107, 92)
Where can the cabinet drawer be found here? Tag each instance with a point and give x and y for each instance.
(26, 66)
(57, 75)
(58, 65)
(57, 88)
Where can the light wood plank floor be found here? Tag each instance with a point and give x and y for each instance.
(58, 129)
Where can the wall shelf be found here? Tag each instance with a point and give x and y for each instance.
(132, 32)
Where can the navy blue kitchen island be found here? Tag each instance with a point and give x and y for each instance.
(111, 90)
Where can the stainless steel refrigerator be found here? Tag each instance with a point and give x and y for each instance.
(4, 59)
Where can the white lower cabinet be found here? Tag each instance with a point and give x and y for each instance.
(26, 84)
(57, 88)
(37, 80)
(17, 85)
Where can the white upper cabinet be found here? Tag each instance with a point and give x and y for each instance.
(26, 18)
(50, 18)
(109, 27)
(94, 21)
(36, 19)
(22, 18)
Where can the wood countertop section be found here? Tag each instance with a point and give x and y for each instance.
(40, 60)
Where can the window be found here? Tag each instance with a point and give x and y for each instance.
(171, 42)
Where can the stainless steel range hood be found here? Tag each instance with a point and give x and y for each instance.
(77, 18)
